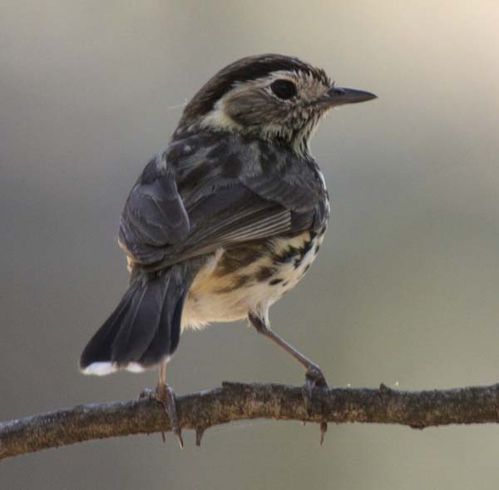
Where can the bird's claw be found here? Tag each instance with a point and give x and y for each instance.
(314, 378)
(166, 396)
(147, 394)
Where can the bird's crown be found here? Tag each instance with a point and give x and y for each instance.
(271, 96)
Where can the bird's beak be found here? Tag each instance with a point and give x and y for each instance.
(339, 96)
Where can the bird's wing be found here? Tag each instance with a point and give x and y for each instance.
(296, 183)
(221, 195)
(154, 215)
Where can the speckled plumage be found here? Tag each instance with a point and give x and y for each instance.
(221, 292)
(228, 218)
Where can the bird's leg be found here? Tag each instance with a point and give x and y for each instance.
(314, 378)
(166, 396)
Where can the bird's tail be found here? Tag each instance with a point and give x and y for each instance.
(143, 330)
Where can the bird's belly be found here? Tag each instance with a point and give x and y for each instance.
(247, 278)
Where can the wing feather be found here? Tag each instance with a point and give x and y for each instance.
(191, 201)
(154, 215)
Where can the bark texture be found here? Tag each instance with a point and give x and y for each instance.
(238, 401)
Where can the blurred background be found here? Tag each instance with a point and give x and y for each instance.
(405, 290)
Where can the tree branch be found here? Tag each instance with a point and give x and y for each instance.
(237, 401)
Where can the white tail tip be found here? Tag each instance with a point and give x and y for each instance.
(105, 368)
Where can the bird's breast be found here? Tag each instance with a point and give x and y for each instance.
(248, 277)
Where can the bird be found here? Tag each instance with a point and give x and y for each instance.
(226, 220)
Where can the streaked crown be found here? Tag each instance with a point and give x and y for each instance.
(270, 96)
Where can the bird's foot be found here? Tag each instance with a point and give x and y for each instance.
(314, 379)
(147, 394)
(166, 396)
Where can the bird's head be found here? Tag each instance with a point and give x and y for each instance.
(274, 97)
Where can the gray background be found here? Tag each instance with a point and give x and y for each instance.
(405, 290)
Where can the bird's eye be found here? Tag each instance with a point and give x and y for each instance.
(284, 89)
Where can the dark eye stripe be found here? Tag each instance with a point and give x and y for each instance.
(284, 89)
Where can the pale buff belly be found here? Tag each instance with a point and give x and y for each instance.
(223, 293)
